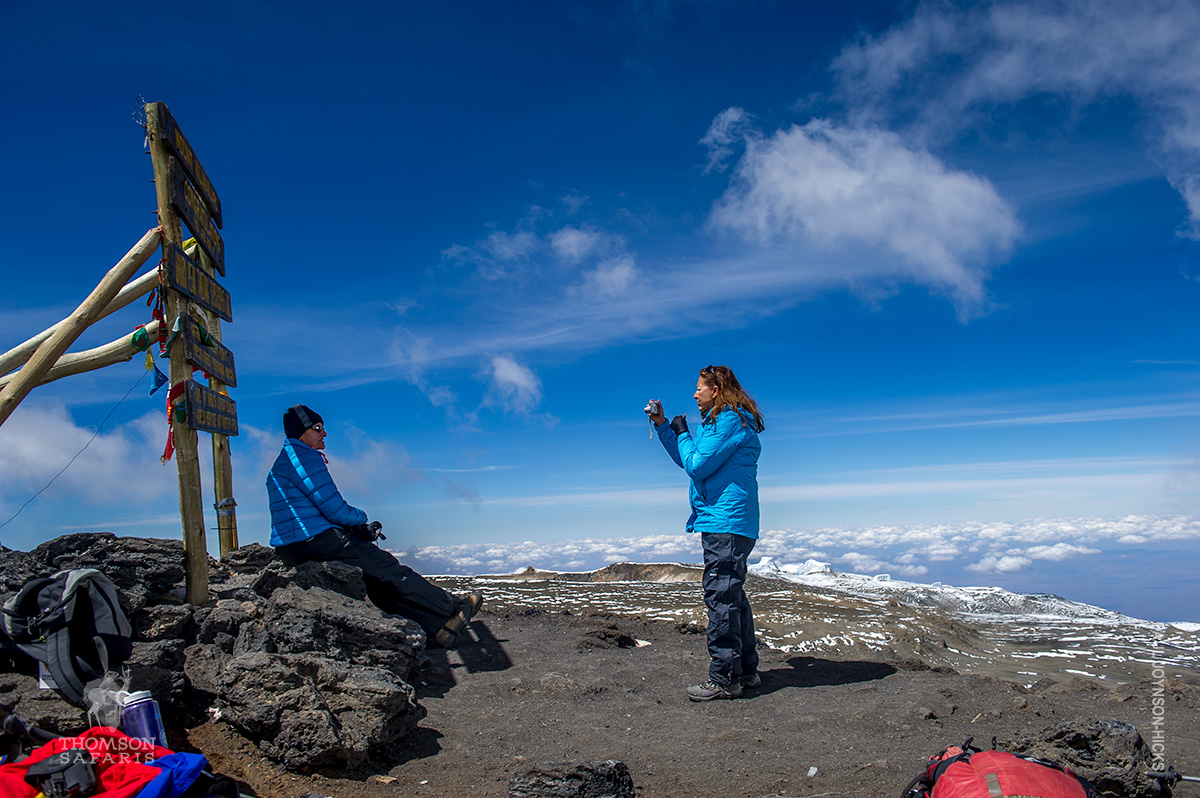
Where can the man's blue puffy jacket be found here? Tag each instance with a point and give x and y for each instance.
(721, 457)
(304, 500)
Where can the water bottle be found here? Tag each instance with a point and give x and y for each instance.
(140, 718)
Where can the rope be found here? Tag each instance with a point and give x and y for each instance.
(89, 443)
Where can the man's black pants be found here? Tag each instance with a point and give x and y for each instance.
(731, 645)
(393, 587)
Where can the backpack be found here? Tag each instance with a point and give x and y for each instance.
(72, 623)
(966, 772)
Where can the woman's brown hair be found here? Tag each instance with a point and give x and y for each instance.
(731, 394)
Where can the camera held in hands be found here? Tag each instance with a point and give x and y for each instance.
(368, 532)
(654, 408)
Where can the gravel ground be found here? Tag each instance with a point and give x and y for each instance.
(534, 685)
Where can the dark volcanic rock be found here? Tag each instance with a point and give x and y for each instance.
(608, 779)
(17, 568)
(249, 559)
(334, 576)
(317, 620)
(1110, 754)
(295, 658)
(306, 711)
(20, 695)
(144, 570)
(163, 622)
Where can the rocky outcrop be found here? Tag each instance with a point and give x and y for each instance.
(1110, 754)
(607, 779)
(294, 658)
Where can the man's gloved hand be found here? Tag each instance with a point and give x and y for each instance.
(368, 532)
(679, 425)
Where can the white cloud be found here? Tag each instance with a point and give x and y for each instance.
(122, 465)
(947, 67)
(413, 351)
(573, 244)
(1058, 552)
(573, 200)
(514, 386)
(1000, 564)
(836, 187)
(863, 563)
(498, 256)
(1014, 415)
(726, 131)
(511, 246)
(611, 278)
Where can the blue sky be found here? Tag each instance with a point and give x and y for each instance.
(950, 249)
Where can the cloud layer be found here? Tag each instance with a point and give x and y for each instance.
(908, 551)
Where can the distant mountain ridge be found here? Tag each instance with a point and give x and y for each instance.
(812, 609)
(967, 600)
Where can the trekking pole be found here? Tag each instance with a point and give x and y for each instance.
(1170, 776)
(16, 727)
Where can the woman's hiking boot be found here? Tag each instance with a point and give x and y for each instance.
(710, 691)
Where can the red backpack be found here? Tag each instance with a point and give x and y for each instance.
(966, 772)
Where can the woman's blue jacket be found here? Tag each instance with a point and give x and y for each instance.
(304, 500)
(721, 457)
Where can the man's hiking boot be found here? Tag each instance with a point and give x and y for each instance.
(710, 691)
(448, 634)
(751, 681)
(475, 600)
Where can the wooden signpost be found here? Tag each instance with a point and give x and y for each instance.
(186, 276)
(177, 144)
(195, 215)
(210, 411)
(186, 194)
(189, 286)
(214, 358)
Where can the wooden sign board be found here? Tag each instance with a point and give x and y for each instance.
(169, 132)
(187, 277)
(216, 360)
(195, 215)
(210, 411)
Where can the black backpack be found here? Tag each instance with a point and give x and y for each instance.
(72, 623)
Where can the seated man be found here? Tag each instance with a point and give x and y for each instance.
(311, 521)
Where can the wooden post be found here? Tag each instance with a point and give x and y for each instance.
(140, 253)
(187, 459)
(225, 505)
(66, 332)
(121, 350)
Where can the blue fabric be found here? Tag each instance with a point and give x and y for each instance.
(178, 772)
(721, 457)
(304, 501)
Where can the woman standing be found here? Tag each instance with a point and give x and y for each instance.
(721, 458)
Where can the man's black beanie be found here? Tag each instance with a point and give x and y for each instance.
(294, 420)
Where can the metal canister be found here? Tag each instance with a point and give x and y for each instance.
(141, 718)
